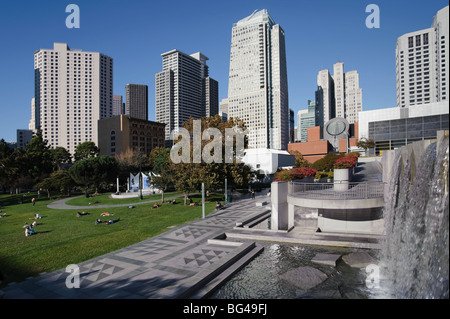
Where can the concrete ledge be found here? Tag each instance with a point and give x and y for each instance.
(201, 279)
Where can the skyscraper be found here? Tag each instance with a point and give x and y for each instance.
(73, 90)
(258, 87)
(118, 107)
(421, 59)
(325, 100)
(136, 101)
(338, 95)
(183, 89)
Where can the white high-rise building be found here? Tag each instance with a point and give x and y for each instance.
(421, 59)
(258, 88)
(32, 124)
(353, 96)
(73, 90)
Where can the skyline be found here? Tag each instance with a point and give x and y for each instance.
(136, 33)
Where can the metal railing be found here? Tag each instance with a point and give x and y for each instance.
(336, 190)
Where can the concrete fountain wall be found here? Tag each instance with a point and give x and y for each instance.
(414, 259)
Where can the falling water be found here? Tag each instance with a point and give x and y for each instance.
(414, 260)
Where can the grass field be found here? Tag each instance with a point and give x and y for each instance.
(62, 238)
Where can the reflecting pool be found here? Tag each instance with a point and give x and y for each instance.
(265, 276)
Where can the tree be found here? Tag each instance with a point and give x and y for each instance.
(365, 143)
(94, 171)
(37, 161)
(188, 177)
(162, 168)
(86, 150)
(57, 181)
(60, 156)
(300, 161)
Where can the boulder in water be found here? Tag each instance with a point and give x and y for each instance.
(358, 259)
(304, 277)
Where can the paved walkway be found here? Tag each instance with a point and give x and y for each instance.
(61, 204)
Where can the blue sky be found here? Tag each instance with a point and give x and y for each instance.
(136, 32)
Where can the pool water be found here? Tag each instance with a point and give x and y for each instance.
(262, 277)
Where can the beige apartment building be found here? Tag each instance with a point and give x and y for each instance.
(73, 90)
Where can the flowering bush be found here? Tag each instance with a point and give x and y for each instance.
(307, 171)
(295, 173)
(346, 162)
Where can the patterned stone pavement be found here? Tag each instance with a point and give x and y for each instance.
(175, 264)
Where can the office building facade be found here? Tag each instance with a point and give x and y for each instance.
(136, 101)
(422, 63)
(183, 89)
(258, 88)
(73, 90)
(395, 127)
(118, 107)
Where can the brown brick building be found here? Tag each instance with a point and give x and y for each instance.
(316, 147)
(120, 133)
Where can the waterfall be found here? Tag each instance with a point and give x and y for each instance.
(414, 259)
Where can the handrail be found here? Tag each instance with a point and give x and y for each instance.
(337, 190)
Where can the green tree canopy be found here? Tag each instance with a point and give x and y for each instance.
(86, 150)
(94, 171)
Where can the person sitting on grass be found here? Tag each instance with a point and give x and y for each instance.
(37, 216)
(109, 222)
(27, 232)
(156, 205)
(218, 205)
(98, 221)
(3, 215)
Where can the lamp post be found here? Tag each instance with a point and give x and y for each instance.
(203, 200)
(85, 179)
(140, 176)
(225, 191)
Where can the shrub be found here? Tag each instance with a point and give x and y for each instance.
(295, 173)
(308, 171)
(326, 163)
(284, 175)
(353, 154)
(346, 162)
(320, 175)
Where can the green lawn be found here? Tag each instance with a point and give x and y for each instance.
(62, 238)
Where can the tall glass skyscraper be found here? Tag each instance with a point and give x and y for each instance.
(258, 87)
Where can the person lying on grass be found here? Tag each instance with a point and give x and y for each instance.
(82, 214)
(112, 221)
